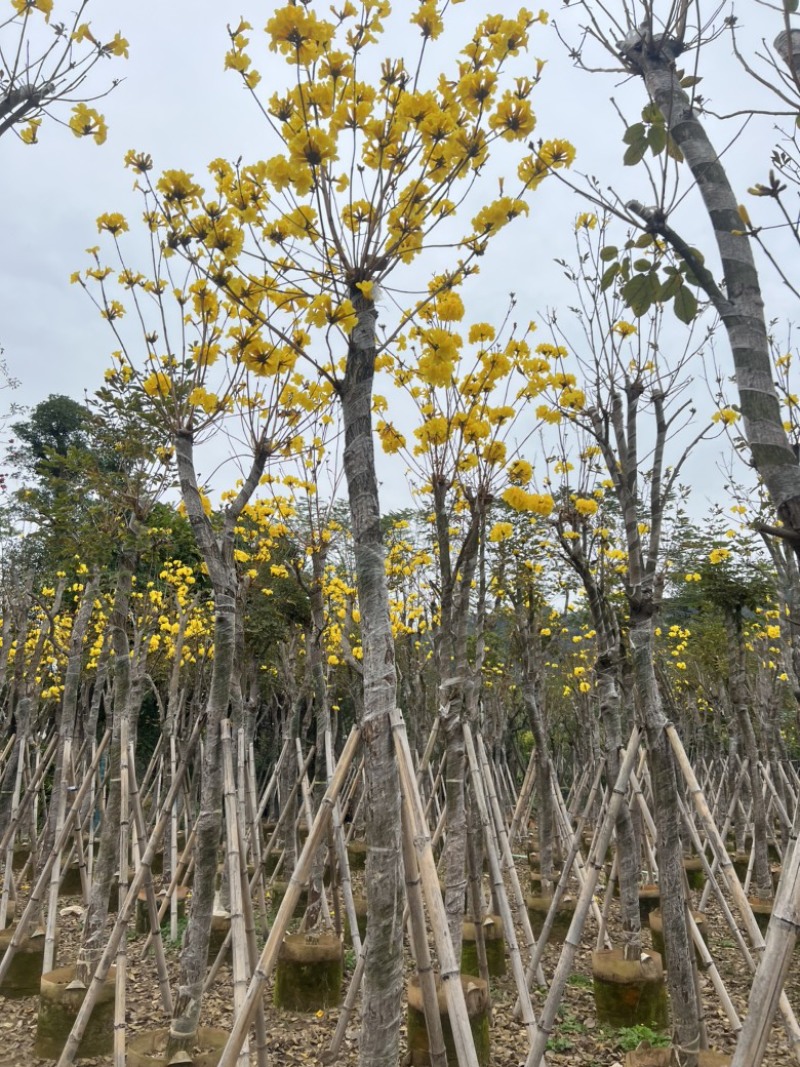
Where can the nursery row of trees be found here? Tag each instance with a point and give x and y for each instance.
(546, 581)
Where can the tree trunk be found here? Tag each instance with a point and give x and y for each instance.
(680, 954)
(93, 940)
(383, 970)
(741, 307)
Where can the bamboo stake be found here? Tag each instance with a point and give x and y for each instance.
(55, 872)
(517, 967)
(427, 978)
(122, 952)
(734, 886)
(572, 943)
(238, 936)
(21, 928)
(42, 767)
(126, 907)
(767, 989)
(9, 863)
(332, 1054)
(306, 795)
(508, 864)
(535, 963)
(269, 955)
(450, 974)
(152, 907)
(341, 853)
(520, 816)
(262, 1058)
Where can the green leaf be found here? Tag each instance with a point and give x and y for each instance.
(791, 6)
(608, 276)
(685, 304)
(673, 151)
(638, 293)
(642, 265)
(651, 113)
(635, 153)
(670, 287)
(609, 252)
(633, 133)
(690, 80)
(657, 139)
(644, 241)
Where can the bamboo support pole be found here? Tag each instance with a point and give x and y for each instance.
(55, 871)
(269, 955)
(734, 886)
(534, 969)
(449, 970)
(238, 935)
(706, 960)
(572, 943)
(21, 928)
(124, 848)
(517, 968)
(766, 992)
(346, 1010)
(340, 850)
(520, 817)
(574, 844)
(42, 767)
(9, 861)
(427, 978)
(262, 1057)
(126, 907)
(508, 865)
(152, 906)
(288, 803)
(305, 791)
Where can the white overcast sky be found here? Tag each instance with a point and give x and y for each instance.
(177, 103)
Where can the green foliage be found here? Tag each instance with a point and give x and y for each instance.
(649, 135)
(650, 279)
(630, 1037)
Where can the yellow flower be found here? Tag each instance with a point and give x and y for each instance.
(501, 531)
(113, 223)
(585, 506)
(520, 500)
(624, 329)
(86, 122)
(726, 416)
(519, 472)
(718, 555)
(157, 384)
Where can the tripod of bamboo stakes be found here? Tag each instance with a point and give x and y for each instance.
(706, 812)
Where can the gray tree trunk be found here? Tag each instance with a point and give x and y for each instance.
(741, 306)
(677, 942)
(93, 939)
(383, 969)
(217, 551)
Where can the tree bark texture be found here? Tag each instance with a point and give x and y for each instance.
(383, 972)
(680, 954)
(741, 307)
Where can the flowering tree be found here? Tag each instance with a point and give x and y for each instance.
(45, 62)
(373, 163)
(623, 378)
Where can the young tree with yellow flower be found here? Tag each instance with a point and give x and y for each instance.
(471, 410)
(623, 379)
(373, 160)
(188, 360)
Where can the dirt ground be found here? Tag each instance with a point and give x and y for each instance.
(302, 1039)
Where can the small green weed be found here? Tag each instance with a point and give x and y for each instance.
(580, 981)
(630, 1037)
